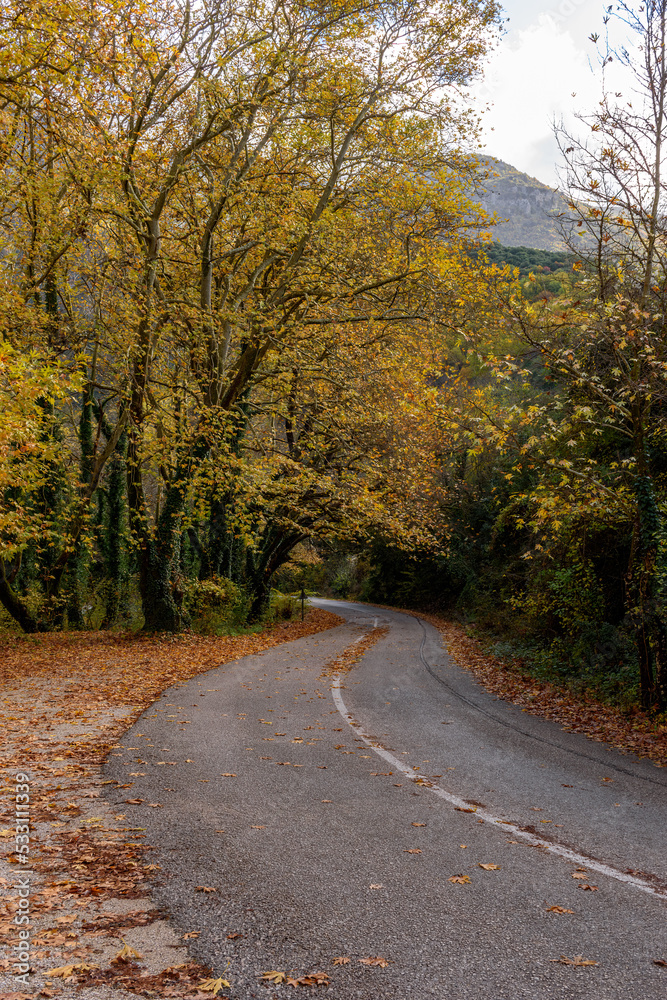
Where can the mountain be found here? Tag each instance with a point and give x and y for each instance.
(528, 206)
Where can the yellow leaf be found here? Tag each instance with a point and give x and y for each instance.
(69, 970)
(212, 986)
(126, 953)
(274, 977)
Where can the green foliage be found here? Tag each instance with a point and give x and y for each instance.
(283, 607)
(527, 259)
(215, 606)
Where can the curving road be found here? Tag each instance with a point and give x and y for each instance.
(330, 819)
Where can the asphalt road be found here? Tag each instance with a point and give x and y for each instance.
(325, 839)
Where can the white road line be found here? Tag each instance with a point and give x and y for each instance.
(488, 817)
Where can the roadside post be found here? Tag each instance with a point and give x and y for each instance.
(303, 601)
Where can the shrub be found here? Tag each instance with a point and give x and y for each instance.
(214, 606)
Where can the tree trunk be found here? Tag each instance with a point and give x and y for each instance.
(14, 605)
(117, 571)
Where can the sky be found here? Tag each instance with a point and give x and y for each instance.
(543, 59)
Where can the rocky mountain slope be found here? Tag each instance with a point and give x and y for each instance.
(527, 207)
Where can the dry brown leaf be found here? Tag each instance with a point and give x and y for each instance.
(419, 824)
(311, 979)
(377, 960)
(341, 960)
(459, 879)
(376, 885)
(191, 934)
(205, 888)
(660, 961)
(558, 909)
(489, 868)
(228, 774)
(580, 874)
(588, 888)
(234, 936)
(412, 850)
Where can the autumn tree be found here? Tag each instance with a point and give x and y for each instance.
(583, 375)
(213, 197)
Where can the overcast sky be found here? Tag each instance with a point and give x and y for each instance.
(544, 58)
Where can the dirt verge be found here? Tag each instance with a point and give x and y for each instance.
(85, 889)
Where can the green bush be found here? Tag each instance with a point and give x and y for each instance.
(283, 607)
(214, 606)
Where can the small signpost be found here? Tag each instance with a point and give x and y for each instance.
(303, 601)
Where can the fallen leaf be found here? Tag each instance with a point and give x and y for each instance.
(252, 828)
(343, 960)
(274, 977)
(377, 885)
(579, 874)
(227, 775)
(134, 802)
(490, 868)
(579, 961)
(660, 961)
(205, 888)
(461, 809)
(126, 953)
(412, 850)
(590, 888)
(311, 979)
(155, 805)
(191, 934)
(234, 936)
(377, 960)
(460, 879)
(64, 971)
(558, 909)
(212, 986)
(419, 824)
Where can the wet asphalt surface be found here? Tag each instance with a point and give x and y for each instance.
(309, 839)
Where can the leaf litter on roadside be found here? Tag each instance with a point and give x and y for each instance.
(308, 979)
(102, 682)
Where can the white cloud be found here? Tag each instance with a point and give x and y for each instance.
(529, 81)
